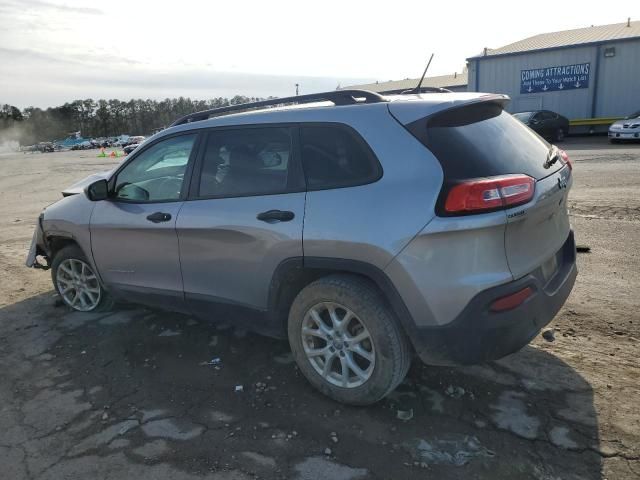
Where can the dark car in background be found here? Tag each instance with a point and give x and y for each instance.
(87, 145)
(134, 140)
(547, 124)
(130, 148)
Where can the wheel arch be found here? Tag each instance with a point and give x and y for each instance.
(56, 242)
(294, 274)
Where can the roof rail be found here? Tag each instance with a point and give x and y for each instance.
(338, 97)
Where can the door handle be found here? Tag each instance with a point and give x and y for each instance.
(272, 216)
(158, 217)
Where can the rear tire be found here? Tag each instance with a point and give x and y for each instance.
(76, 282)
(559, 136)
(371, 341)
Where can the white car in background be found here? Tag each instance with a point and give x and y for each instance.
(627, 129)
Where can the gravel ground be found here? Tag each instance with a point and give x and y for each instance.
(125, 394)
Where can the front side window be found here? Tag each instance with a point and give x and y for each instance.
(156, 174)
(335, 157)
(246, 162)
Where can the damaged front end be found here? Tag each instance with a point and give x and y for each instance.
(38, 251)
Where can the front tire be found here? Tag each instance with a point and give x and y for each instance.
(77, 283)
(346, 340)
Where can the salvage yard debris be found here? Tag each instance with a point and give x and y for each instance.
(454, 451)
(549, 334)
(216, 362)
(405, 415)
(454, 392)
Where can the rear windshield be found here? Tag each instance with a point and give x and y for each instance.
(482, 140)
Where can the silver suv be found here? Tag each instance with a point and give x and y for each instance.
(363, 228)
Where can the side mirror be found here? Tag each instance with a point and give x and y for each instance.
(273, 160)
(98, 190)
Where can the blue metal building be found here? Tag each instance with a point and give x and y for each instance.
(590, 75)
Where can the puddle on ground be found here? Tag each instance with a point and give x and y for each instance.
(454, 451)
(511, 414)
(318, 468)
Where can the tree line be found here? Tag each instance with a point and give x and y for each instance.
(100, 118)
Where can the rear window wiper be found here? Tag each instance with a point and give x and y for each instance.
(552, 157)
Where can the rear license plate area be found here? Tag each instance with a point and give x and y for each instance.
(550, 268)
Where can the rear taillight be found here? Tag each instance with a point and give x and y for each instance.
(566, 159)
(494, 193)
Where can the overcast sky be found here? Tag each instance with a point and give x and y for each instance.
(52, 51)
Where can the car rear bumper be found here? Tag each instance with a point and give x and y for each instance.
(479, 335)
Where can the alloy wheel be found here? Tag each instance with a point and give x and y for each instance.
(78, 285)
(338, 345)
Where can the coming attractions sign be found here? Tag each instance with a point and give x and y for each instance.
(551, 79)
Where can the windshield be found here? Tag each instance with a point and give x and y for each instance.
(633, 115)
(523, 116)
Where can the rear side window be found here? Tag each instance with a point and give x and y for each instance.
(482, 140)
(247, 162)
(334, 157)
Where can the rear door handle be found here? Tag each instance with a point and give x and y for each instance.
(272, 216)
(158, 217)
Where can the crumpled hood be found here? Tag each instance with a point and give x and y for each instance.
(79, 187)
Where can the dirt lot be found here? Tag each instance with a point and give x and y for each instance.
(124, 395)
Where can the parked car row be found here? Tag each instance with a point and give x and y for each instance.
(122, 141)
(42, 147)
(75, 143)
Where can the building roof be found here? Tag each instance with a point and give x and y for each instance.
(442, 81)
(579, 36)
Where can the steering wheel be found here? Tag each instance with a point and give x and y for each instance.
(170, 187)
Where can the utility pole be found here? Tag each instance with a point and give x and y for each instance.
(81, 117)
